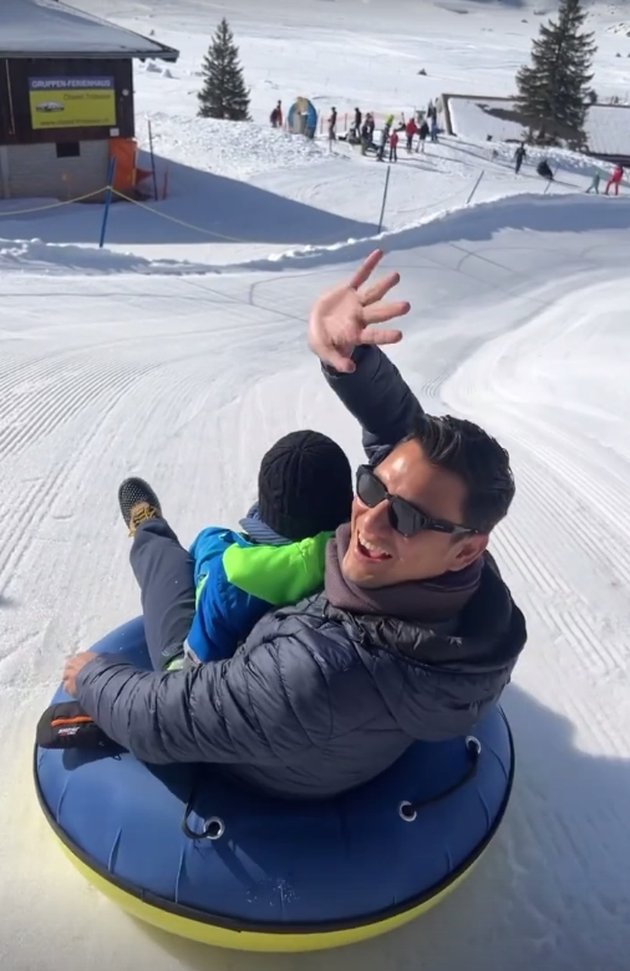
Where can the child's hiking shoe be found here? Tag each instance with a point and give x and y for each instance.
(138, 503)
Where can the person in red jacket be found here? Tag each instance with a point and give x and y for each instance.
(411, 129)
(393, 145)
(276, 116)
(615, 179)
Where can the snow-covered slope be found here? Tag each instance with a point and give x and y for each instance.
(178, 352)
(521, 330)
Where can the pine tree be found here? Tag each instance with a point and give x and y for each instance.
(552, 92)
(224, 94)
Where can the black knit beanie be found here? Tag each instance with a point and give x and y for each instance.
(304, 485)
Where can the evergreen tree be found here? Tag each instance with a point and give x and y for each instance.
(224, 94)
(552, 92)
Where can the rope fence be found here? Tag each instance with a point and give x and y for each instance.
(55, 205)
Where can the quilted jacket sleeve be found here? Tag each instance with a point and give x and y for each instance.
(378, 397)
(233, 711)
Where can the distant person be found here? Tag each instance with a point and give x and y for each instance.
(358, 118)
(615, 180)
(411, 129)
(434, 129)
(365, 138)
(383, 139)
(393, 146)
(596, 178)
(367, 133)
(519, 156)
(276, 116)
(423, 134)
(544, 170)
(332, 125)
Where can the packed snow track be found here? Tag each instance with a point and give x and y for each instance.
(520, 324)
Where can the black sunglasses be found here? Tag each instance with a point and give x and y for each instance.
(405, 518)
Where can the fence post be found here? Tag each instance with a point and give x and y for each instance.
(155, 190)
(475, 187)
(385, 188)
(111, 172)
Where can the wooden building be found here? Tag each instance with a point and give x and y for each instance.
(66, 97)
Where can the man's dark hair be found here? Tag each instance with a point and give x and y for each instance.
(477, 459)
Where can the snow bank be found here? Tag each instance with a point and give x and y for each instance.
(483, 221)
(236, 149)
(35, 256)
(478, 222)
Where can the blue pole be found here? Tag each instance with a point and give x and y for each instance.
(382, 216)
(111, 172)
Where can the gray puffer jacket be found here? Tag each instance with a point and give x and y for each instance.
(319, 700)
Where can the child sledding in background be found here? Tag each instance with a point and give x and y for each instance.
(304, 494)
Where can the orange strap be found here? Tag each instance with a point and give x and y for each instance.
(79, 720)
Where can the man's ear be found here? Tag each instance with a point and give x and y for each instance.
(469, 549)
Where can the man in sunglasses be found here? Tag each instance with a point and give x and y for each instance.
(414, 635)
(434, 488)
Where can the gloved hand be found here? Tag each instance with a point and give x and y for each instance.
(66, 725)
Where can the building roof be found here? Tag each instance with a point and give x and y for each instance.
(607, 127)
(51, 28)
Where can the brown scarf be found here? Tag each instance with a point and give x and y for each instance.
(424, 601)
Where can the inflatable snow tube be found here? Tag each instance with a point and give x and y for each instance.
(196, 854)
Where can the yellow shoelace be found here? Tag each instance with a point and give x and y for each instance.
(140, 514)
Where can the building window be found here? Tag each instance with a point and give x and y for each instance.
(68, 149)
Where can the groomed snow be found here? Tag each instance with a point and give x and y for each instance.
(179, 353)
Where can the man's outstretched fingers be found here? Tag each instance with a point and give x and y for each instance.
(378, 291)
(366, 269)
(380, 312)
(381, 337)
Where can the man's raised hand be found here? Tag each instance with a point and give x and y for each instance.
(344, 317)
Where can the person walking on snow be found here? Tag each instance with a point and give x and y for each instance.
(332, 125)
(276, 116)
(384, 136)
(596, 178)
(423, 134)
(358, 118)
(411, 129)
(393, 147)
(615, 180)
(434, 129)
(519, 156)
